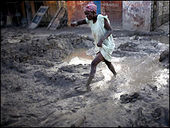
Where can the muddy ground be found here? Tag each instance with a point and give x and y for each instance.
(43, 72)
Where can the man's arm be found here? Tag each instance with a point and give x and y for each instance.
(107, 34)
(80, 22)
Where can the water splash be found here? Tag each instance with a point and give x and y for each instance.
(132, 72)
(79, 60)
(161, 78)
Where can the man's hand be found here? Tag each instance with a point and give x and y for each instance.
(73, 24)
(79, 22)
(99, 44)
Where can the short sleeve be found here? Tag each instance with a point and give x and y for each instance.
(87, 20)
(101, 18)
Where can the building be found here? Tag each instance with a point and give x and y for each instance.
(130, 15)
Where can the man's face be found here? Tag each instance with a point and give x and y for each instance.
(89, 15)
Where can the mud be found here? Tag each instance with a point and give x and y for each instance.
(41, 71)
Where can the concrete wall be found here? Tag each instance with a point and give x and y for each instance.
(163, 14)
(132, 15)
(75, 10)
(114, 11)
(160, 13)
(137, 15)
(111, 8)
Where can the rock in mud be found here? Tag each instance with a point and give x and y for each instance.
(161, 115)
(129, 98)
(164, 58)
(129, 46)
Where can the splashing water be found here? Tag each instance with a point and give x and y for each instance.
(132, 72)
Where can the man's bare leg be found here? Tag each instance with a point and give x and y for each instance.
(94, 64)
(111, 67)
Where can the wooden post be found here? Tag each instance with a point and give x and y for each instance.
(23, 9)
(32, 7)
(28, 10)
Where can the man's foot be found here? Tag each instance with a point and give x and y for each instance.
(80, 89)
(115, 74)
(88, 88)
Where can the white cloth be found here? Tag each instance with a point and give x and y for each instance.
(98, 32)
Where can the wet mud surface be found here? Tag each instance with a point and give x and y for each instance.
(41, 72)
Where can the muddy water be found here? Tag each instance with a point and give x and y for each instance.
(137, 72)
(79, 56)
(133, 72)
(38, 88)
(133, 75)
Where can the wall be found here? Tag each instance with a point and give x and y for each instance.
(163, 12)
(75, 10)
(52, 7)
(137, 15)
(160, 13)
(114, 11)
(163, 15)
(111, 8)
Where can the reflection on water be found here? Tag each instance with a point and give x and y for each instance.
(78, 57)
(79, 60)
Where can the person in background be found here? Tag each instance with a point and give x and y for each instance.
(102, 34)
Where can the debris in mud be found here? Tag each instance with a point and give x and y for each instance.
(39, 86)
(54, 48)
(78, 122)
(164, 58)
(127, 98)
(141, 121)
(161, 115)
(129, 46)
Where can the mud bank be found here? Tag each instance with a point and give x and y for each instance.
(40, 74)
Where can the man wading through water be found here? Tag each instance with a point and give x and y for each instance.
(104, 43)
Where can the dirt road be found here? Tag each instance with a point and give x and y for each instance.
(40, 71)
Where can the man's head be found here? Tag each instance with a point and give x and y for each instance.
(90, 10)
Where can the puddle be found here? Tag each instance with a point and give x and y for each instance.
(78, 57)
(132, 72)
